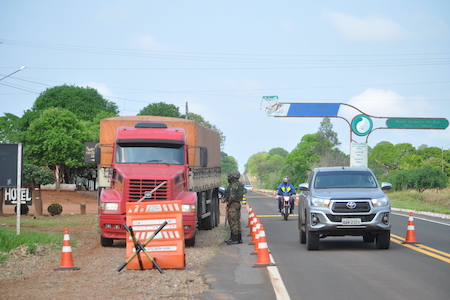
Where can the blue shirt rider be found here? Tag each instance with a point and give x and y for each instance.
(285, 187)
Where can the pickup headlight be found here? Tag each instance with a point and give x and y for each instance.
(383, 201)
(111, 206)
(188, 208)
(323, 202)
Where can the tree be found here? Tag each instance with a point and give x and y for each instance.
(160, 109)
(278, 151)
(228, 164)
(9, 129)
(35, 176)
(326, 132)
(84, 102)
(55, 139)
(298, 163)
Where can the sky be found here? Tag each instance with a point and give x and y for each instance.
(386, 59)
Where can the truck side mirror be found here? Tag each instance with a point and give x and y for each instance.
(203, 156)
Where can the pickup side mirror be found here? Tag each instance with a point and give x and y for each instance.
(303, 187)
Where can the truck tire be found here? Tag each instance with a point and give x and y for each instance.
(207, 223)
(105, 242)
(312, 240)
(383, 240)
(190, 242)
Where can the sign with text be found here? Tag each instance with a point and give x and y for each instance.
(417, 123)
(167, 247)
(89, 152)
(305, 110)
(358, 155)
(25, 196)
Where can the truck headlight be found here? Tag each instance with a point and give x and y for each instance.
(383, 201)
(111, 206)
(188, 208)
(323, 202)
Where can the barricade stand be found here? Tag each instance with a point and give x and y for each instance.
(167, 247)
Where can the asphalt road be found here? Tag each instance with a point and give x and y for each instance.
(348, 268)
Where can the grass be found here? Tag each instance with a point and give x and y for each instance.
(9, 240)
(36, 231)
(430, 200)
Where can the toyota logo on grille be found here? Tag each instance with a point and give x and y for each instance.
(351, 205)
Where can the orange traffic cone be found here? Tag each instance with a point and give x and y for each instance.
(66, 257)
(256, 227)
(296, 199)
(410, 232)
(252, 223)
(256, 244)
(263, 251)
(250, 216)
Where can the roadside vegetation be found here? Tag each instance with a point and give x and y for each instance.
(45, 231)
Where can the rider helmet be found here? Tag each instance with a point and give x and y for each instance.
(286, 179)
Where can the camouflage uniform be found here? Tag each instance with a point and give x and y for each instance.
(233, 197)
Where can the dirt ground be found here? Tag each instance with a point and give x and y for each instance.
(34, 276)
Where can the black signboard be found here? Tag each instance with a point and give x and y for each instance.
(8, 165)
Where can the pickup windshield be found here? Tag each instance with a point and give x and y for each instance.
(161, 154)
(332, 180)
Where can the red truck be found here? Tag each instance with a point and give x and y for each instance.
(149, 158)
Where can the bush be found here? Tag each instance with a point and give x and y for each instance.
(23, 209)
(55, 209)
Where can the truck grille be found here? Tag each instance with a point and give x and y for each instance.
(342, 207)
(136, 189)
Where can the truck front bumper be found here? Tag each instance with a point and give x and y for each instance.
(111, 226)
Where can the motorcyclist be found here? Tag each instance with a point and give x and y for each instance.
(285, 188)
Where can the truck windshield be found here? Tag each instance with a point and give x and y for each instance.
(332, 180)
(161, 154)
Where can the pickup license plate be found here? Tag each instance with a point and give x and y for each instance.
(351, 221)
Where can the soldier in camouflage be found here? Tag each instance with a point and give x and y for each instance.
(233, 197)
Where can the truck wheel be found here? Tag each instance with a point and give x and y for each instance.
(383, 240)
(106, 242)
(190, 242)
(312, 240)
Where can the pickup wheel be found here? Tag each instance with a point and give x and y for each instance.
(312, 240)
(302, 236)
(105, 242)
(368, 238)
(383, 240)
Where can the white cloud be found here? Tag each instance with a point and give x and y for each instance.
(370, 29)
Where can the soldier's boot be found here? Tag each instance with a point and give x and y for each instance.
(234, 240)
(240, 238)
(229, 239)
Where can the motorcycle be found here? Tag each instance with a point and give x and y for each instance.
(287, 201)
